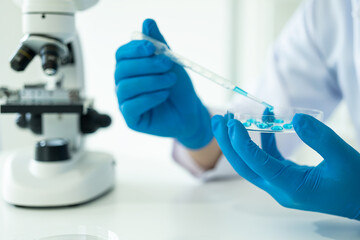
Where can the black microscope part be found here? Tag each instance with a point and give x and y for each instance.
(52, 150)
(49, 55)
(93, 120)
(30, 121)
(22, 58)
(89, 123)
(21, 121)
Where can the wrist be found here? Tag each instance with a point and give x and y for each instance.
(202, 135)
(207, 157)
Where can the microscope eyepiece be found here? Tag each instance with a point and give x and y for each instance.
(50, 58)
(22, 58)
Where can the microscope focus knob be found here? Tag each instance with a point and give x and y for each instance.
(52, 150)
(93, 120)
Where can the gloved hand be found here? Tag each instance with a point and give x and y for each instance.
(332, 187)
(156, 96)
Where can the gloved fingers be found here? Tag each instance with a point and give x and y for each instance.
(151, 29)
(135, 49)
(268, 144)
(220, 132)
(133, 108)
(268, 116)
(268, 141)
(322, 139)
(143, 66)
(266, 166)
(132, 87)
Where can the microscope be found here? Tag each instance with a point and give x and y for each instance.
(59, 171)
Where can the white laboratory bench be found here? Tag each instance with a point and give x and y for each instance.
(154, 199)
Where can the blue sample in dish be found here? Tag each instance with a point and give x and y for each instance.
(288, 126)
(269, 124)
(251, 120)
(262, 125)
(277, 128)
(247, 124)
(279, 120)
(268, 118)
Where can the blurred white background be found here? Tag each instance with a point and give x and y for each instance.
(231, 37)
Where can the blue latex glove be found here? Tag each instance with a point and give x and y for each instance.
(332, 187)
(156, 96)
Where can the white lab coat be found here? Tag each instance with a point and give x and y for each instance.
(315, 63)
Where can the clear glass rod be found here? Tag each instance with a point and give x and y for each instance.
(162, 48)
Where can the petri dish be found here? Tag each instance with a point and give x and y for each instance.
(77, 233)
(280, 121)
(74, 237)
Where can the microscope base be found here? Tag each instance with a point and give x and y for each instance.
(28, 183)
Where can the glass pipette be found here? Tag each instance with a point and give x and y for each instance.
(162, 48)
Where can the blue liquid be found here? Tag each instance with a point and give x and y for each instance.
(239, 90)
(268, 119)
(251, 120)
(247, 124)
(271, 108)
(277, 128)
(279, 121)
(288, 126)
(246, 94)
(262, 125)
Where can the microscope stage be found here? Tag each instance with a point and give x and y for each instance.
(18, 106)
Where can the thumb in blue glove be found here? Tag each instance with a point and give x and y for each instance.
(156, 96)
(332, 187)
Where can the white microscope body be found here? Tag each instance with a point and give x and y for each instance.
(59, 172)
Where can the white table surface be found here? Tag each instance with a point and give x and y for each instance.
(155, 199)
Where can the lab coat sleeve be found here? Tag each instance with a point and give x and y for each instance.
(222, 169)
(298, 73)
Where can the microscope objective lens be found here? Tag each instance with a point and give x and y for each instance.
(22, 58)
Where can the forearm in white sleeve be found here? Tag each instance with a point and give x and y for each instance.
(222, 169)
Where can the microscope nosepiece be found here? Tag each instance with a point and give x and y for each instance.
(50, 56)
(22, 58)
